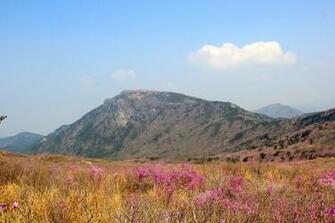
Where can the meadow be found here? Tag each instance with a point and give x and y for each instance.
(72, 189)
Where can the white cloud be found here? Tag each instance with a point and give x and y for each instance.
(123, 74)
(87, 79)
(231, 56)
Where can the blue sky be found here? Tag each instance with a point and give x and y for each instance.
(59, 59)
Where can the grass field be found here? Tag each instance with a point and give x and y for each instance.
(70, 189)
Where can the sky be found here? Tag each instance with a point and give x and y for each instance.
(60, 59)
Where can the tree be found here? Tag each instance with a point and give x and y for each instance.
(2, 118)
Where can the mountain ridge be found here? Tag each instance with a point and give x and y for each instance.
(20, 142)
(169, 125)
(278, 110)
(150, 123)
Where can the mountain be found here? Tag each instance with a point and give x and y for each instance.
(153, 124)
(305, 137)
(159, 124)
(279, 111)
(21, 142)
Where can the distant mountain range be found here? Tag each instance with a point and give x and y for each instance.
(21, 142)
(279, 111)
(141, 123)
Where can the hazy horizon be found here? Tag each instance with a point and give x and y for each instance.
(59, 60)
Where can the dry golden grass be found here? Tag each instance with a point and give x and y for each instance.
(73, 189)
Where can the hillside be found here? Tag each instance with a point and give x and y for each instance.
(279, 111)
(158, 124)
(152, 124)
(19, 143)
(306, 137)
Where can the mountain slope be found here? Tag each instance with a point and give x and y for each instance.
(159, 124)
(306, 137)
(20, 142)
(279, 111)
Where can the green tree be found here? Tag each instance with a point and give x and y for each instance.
(2, 118)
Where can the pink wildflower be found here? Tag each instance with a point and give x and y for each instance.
(15, 205)
(96, 173)
(236, 184)
(330, 212)
(74, 167)
(328, 179)
(237, 206)
(142, 173)
(191, 179)
(298, 181)
(96, 170)
(201, 199)
(280, 209)
(3, 206)
(164, 177)
(70, 179)
(208, 197)
(313, 212)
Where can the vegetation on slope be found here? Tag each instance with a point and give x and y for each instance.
(20, 143)
(151, 123)
(68, 189)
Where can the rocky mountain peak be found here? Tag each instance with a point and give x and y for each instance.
(139, 123)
